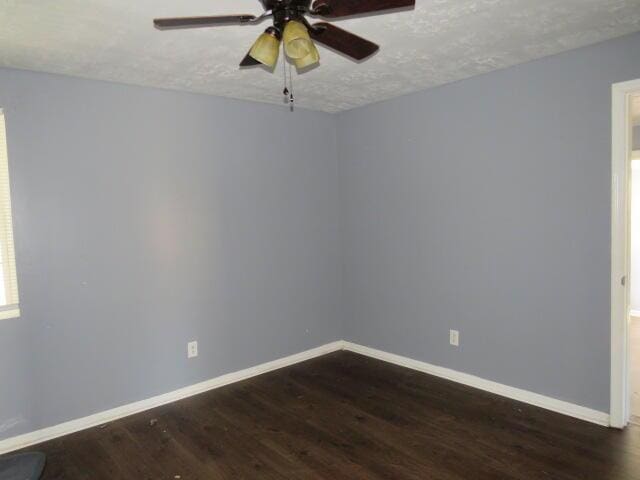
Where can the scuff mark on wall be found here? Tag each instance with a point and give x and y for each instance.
(11, 423)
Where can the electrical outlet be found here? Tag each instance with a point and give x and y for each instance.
(192, 349)
(454, 337)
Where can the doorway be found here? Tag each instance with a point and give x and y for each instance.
(634, 263)
(625, 255)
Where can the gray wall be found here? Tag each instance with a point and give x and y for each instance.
(636, 138)
(147, 218)
(484, 206)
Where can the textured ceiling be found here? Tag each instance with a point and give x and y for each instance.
(439, 42)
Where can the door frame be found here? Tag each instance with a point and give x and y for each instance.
(620, 396)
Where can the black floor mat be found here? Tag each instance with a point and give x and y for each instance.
(22, 466)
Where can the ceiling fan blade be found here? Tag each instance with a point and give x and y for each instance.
(342, 41)
(343, 8)
(249, 61)
(194, 22)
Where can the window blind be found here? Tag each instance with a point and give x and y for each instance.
(9, 303)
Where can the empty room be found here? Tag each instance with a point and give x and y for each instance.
(319, 239)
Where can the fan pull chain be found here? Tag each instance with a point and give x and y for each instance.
(288, 90)
(291, 85)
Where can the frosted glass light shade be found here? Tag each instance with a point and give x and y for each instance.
(297, 43)
(311, 59)
(266, 48)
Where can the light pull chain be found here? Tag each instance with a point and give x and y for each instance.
(291, 87)
(285, 92)
(288, 90)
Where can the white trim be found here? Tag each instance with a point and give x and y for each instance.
(7, 314)
(27, 439)
(634, 313)
(100, 418)
(620, 154)
(542, 401)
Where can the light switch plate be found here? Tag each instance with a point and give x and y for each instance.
(454, 338)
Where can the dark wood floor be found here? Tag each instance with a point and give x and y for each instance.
(344, 416)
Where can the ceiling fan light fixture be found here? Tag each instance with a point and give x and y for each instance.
(311, 59)
(292, 29)
(297, 43)
(267, 47)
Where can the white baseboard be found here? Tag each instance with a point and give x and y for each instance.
(542, 401)
(634, 313)
(49, 433)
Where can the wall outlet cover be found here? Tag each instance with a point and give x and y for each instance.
(192, 349)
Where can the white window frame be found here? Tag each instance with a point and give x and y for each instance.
(7, 249)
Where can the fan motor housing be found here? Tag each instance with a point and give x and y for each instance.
(285, 10)
(294, 5)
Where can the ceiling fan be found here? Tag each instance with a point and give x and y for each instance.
(292, 28)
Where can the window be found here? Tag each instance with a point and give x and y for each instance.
(9, 307)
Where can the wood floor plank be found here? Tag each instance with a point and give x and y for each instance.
(345, 416)
(488, 428)
(409, 439)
